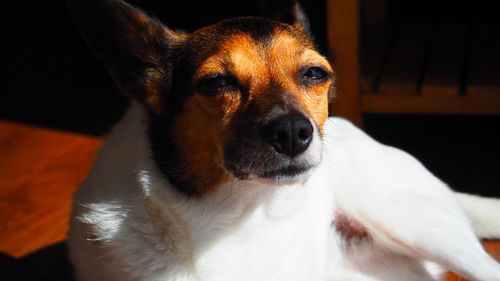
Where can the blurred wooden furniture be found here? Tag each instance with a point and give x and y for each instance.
(411, 67)
(39, 171)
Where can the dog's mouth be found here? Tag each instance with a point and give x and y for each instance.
(285, 173)
(270, 168)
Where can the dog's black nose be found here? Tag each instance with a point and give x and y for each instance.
(289, 134)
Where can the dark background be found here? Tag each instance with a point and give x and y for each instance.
(49, 78)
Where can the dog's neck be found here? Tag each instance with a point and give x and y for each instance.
(230, 207)
(206, 218)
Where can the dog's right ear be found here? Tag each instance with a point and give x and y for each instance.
(293, 15)
(133, 46)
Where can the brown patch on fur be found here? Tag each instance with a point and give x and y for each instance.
(244, 58)
(199, 130)
(349, 228)
(289, 55)
(205, 122)
(154, 98)
(267, 74)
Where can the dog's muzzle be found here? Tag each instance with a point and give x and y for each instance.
(282, 149)
(289, 135)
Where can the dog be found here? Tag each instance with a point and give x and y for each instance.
(227, 167)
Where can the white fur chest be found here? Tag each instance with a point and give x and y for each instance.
(270, 233)
(147, 231)
(284, 239)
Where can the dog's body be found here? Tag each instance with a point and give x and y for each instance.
(137, 227)
(229, 169)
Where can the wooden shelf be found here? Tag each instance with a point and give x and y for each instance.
(423, 68)
(435, 104)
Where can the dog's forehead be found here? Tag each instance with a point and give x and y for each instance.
(260, 30)
(238, 42)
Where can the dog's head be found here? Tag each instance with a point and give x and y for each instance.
(243, 99)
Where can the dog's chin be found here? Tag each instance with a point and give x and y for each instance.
(292, 174)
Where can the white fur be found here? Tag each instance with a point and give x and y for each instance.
(128, 223)
(484, 212)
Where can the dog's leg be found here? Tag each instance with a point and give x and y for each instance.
(447, 243)
(351, 276)
(484, 214)
(426, 223)
(404, 207)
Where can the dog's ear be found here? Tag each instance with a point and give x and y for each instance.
(293, 15)
(133, 46)
(300, 19)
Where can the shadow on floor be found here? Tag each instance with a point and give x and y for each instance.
(47, 264)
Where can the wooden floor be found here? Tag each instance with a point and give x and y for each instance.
(39, 171)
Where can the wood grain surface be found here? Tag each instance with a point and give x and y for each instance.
(39, 171)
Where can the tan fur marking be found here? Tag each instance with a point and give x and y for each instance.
(199, 128)
(241, 51)
(208, 118)
(288, 56)
(153, 98)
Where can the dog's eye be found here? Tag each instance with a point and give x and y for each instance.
(313, 75)
(216, 84)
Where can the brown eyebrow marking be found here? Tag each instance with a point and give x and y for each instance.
(290, 55)
(239, 55)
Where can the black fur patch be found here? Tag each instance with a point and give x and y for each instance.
(259, 29)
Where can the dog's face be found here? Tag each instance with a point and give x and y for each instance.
(244, 99)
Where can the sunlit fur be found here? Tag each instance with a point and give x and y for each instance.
(179, 191)
(130, 223)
